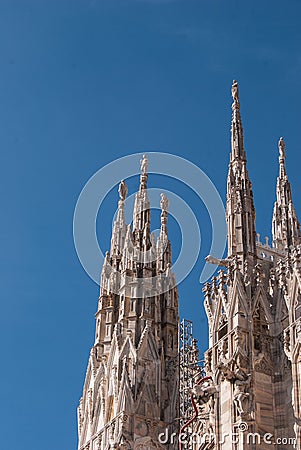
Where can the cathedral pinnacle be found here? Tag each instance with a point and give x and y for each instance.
(163, 245)
(237, 138)
(123, 190)
(132, 379)
(119, 228)
(281, 147)
(144, 172)
(144, 165)
(164, 205)
(282, 155)
(285, 224)
(141, 213)
(240, 205)
(235, 93)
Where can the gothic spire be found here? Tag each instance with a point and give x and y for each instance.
(285, 225)
(240, 204)
(237, 137)
(132, 369)
(141, 215)
(163, 244)
(119, 227)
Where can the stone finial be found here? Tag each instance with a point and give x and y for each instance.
(123, 190)
(164, 203)
(281, 147)
(235, 94)
(144, 165)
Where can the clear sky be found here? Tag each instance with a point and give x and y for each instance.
(83, 82)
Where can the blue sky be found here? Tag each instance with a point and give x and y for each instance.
(83, 82)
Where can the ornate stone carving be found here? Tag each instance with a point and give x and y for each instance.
(98, 442)
(204, 391)
(208, 362)
(258, 273)
(144, 165)
(235, 91)
(146, 443)
(164, 203)
(123, 190)
(222, 349)
(262, 365)
(241, 398)
(281, 147)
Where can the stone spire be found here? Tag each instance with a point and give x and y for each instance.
(130, 394)
(163, 243)
(285, 225)
(237, 136)
(141, 214)
(240, 204)
(254, 314)
(119, 228)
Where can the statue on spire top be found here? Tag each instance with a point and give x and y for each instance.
(164, 203)
(144, 165)
(281, 147)
(123, 190)
(235, 91)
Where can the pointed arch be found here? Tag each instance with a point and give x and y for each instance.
(261, 297)
(237, 299)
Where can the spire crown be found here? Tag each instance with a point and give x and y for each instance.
(240, 205)
(235, 93)
(144, 172)
(123, 190)
(119, 227)
(144, 165)
(237, 137)
(281, 148)
(285, 225)
(141, 213)
(282, 156)
(164, 205)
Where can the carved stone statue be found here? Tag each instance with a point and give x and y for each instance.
(144, 165)
(164, 203)
(123, 190)
(281, 147)
(287, 341)
(240, 340)
(222, 349)
(241, 399)
(204, 391)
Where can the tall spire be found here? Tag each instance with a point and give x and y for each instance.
(131, 390)
(163, 244)
(254, 316)
(240, 204)
(285, 225)
(119, 228)
(141, 214)
(237, 136)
